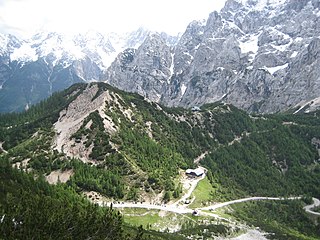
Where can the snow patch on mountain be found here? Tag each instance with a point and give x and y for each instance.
(25, 54)
(60, 46)
(63, 49)
(294, 54)
(183, 89)
(272, 70)
(249, 44)
(260, 5)
(171, 68)
(3, 42)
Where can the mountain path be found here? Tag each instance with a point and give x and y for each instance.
(308, 208)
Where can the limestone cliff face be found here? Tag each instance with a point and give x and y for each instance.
(259, 55)
(262, 56)
(145, 70)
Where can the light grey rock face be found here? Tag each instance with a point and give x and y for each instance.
(145, 70)
(261, 56)
(301, 83)
(136, 38)
(133, 39)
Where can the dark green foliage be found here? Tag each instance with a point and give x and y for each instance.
(17, 127)
(92, 178)
(307, 199)
(37, 150)
(248, 155)
(32, 209)
(225, 122)
(273, 155)
(177, 191)
(95, 135)
(317, 209)
(167, 196)
(270, 162)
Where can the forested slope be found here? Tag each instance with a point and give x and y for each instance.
(247, 155)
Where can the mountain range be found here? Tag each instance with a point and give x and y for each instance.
(32, 69)
(259, 55)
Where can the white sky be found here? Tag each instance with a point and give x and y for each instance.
(172, 16)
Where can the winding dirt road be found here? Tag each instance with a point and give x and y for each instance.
(181, 208)
(168, 208)
(316, 203)
(200, 211)
(224, 204)
(193, 185)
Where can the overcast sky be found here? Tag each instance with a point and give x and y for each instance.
(172, 16)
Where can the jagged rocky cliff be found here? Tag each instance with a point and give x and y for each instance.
(145, 70)
(259, 55)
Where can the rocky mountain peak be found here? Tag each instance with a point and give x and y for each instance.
(8, 43)
(51, 61)
(232, 5)
(214, 21)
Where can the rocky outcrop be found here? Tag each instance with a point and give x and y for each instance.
(31, 70)
(259, 55)
(72, 118)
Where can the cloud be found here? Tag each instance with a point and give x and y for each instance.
(7, 29)
(112, 15)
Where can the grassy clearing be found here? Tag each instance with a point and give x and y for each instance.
(202, 193)
(148, 219)
(161, 221)
(225, 213)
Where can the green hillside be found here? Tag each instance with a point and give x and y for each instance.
(149, 145)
